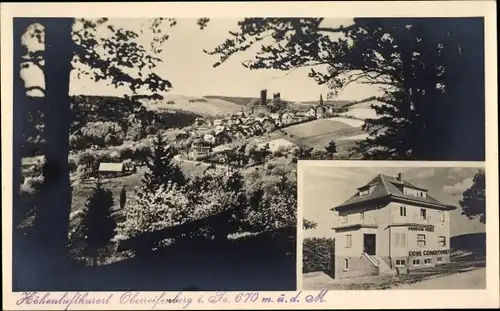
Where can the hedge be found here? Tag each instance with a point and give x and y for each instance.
(318, 255)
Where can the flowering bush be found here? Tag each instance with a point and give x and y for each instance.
(153, 210)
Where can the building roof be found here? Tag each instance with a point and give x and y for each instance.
(385, 187)
(110, 167)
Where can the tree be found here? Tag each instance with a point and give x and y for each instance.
(308, 224)
(473, 200)
(421, 64)
(161, 167)
(123, 197)
(98, 223)
(331, 149)
(67, 41)
(303, 152)
(275, 206)
(321, 99)
(221, 195)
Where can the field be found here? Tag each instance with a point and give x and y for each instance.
(203, 106)
(241, 101)
(362, 110)
(319, 133)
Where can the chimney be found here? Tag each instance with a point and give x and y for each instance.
(263, 97)
(400, 177)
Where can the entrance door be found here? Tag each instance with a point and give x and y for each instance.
(369, 244)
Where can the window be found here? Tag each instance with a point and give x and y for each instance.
(399, 239)
(427, 261)
(423, 213)
(343, 217)
(421, 240)
(416, 262)
(402, 211)
(346, 264)
(400, 262)
(348, 241)
(442, 241)
(442, 217)
(364, 192)
(439, 259)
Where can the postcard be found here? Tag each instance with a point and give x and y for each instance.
(249, 155)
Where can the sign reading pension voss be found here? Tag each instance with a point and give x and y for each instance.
(428, 229)
(429, 252)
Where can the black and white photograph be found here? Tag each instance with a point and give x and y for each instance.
(398, 227)
(157, 154)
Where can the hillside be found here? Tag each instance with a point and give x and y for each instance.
(319, 133)
(243, 101)
(362, 109)
(203, 106)
(335, 103)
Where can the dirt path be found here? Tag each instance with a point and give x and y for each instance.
(474, 279)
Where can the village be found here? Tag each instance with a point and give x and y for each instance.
(259, 117)
(260, 122)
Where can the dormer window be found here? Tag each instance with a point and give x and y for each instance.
(364, 192)
(414, 192)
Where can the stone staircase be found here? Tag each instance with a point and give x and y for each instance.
(382, 266)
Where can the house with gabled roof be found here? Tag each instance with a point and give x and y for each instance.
(199, 148)
(390, 224)
(310, 112)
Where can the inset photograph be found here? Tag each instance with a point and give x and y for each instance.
(395, 227)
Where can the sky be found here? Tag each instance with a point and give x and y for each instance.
(190, 70)
(326, 187)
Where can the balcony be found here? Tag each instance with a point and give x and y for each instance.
(354, 221)
(412, 219)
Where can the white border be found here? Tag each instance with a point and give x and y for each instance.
(344, 299)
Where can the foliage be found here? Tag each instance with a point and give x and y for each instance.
(473, 201)
(274, 207)
(259, 155)
(155, 209)
(331, 148)
(162, 170)
(303, 152)
(103, 133)
(105, 121)
(318, 255)
(421, 65)
(215, 193)
(98, 226)
(308, 224)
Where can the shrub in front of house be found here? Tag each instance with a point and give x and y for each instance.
(318, 255)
